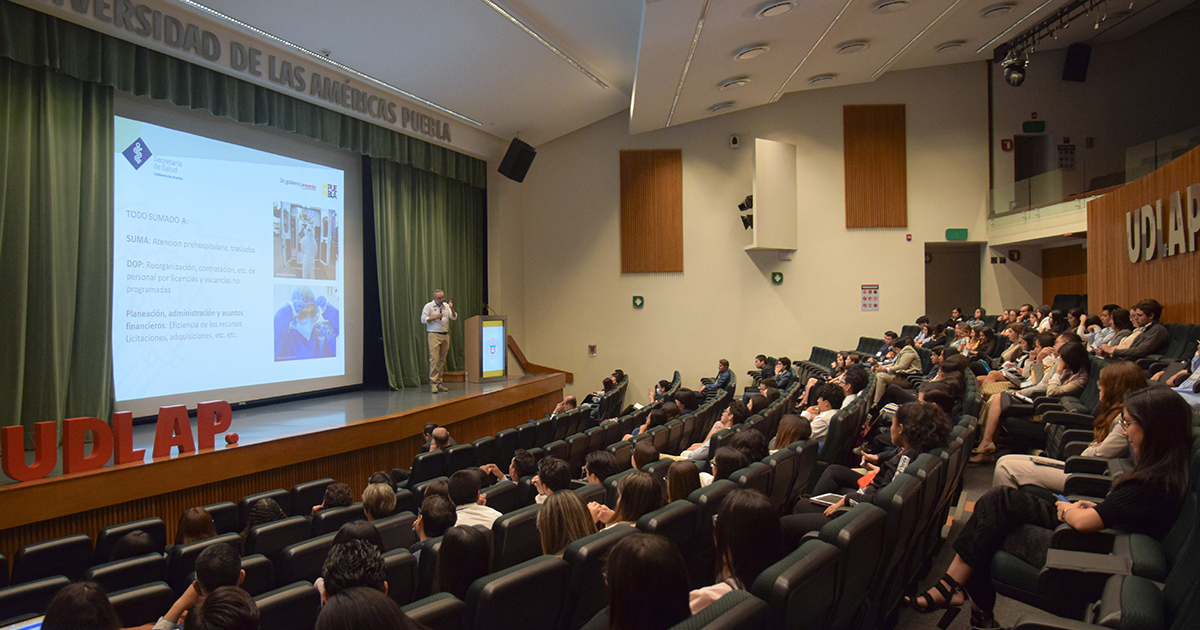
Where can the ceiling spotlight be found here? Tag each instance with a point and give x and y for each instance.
(774, 9)
(719, 106)
(998, 10)
(821, 78)
(750, 52)
(746, 204)
(851, 47)
(735, 82)
(747, 221)
(1014, 69)
(950, 45)
(884, 7)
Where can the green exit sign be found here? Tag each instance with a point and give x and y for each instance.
(1033, 126)
(956, 234)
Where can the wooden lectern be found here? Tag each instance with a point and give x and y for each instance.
(488, 347)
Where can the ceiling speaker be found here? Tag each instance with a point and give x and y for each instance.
(1076, 66)
(517, 160)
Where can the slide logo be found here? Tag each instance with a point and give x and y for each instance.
(492, 348)
(137, 153)
(330, 190)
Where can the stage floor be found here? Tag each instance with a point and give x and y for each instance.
(272, 422)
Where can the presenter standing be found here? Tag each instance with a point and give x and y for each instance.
(437, 316)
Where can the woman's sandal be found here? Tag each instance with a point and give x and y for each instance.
(946, 604)
(982, 451)
(983, 621)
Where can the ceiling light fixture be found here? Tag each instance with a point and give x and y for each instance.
(887, 64)
(1014, 25)
(851, 47)
(529, 31)
(750, 52)
(810, 51)
(821, 78)
(997, 10)
(735, 82)
(950, 45)
(719, 106)
(774, 9)
(324, 59)
(883, 7)
(688, 64)
(1014, 69)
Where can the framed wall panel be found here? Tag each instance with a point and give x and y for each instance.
(874, 140)
(652, 211)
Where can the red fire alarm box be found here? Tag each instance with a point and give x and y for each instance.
(1006, 144)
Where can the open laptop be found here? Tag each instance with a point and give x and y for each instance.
(28, 624)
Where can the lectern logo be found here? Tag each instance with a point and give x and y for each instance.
(492, 348)
(137, 154)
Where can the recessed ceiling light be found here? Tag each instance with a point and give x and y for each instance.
(750, 52)
(774, 9)
(735, 82)
(998, 10)
(821, 78)
(889, 6)
(950, 45)
(851, 47)
(719, 106)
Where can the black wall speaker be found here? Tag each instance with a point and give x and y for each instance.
(517, 160)
(1076, 67)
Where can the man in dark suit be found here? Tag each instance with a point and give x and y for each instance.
(722, 380)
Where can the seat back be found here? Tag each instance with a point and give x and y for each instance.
(459, 457)
(143, 604)
(260, 574)
(544, 432)
(587, 590)
(527, 436)
(107, 539)
(504, 496)
(401, 569)
(442, 611)
(181, 560)
(306, 495)
(676, 521)
(270, 539)
(559, 449)
(577, 452)
(658, 469)
(130, 572)
(281, 496)
(721, 438)
(427, 566)
(735, 610)
(406, 501)
(302, 561)
(30, 598)
(225, 517)
(686, 439)
(590, 492)
(839, 437)
(702, 561)
(595, 440)
(330, 520)
(674, 436)
(515, 538)
(901, 500)
(806, 463)
(858, 534)
(397, 530)
(292, 607)
(485, 451)
(528, 595)
(69, 556)
(661, 437)
(801, 589)
(506, 445)
(756, 476)
(426, 466)
(783, 477)
(622, 453)
(611, 483)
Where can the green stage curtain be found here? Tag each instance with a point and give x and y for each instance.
(43, 41)
(55, 246)
(430, 233)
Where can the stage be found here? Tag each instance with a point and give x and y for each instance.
(344, 436)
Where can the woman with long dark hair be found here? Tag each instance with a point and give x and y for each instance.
(462, 559)
(748, 541)
(1145, 500)
(647, 586)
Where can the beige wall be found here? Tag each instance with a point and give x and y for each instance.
(724, 304)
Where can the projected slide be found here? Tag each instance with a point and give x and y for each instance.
(226, 265)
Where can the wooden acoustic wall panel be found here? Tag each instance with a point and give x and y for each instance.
(1064, 272)
(652, 211)
(876, 166)
(1172, 280)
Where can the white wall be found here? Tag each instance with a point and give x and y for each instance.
(724, 304)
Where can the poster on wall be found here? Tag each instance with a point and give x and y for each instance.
(870, 297)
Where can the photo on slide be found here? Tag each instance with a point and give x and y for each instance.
(307, 321)
(306, 242)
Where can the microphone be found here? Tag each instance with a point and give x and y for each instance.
(488, 309)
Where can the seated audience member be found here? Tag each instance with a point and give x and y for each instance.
(1024, 352)
(1002, 321)
(792, 429)
(353, 564)
(647, 586)
(218, 566)
(336, 495)
(438, 486)
(853, 383)
(567, 404)
(956, 318)
(962, 337)
(264, 511)
(1076, 321)
(938, 336)
(978, 320)
(1058, 322)
(748, 540)
(829, 401)
(886, 352)
(672, 410)
(607, 385)
(638, 494)
(379, 501)
(985, 346)
(1109, 439)
(195, 524)
(1145, 500)
(658, 392)
(553, 475)
(923, 335)
(563, 519)
(772, 393)
(683, 478)
(644, 453)
(429, 438)
(1186, 382)
(906, 363)
(364, 609)
(685, 399)
(227, 608)
(469, 502)
(720, 382)
(1014, 333)
(359, 530)
(521, 466)
(82, 605)
(655, 418)
(381, 477)
(726, 461)
(751, 442)
(917, 428)
(436, 516)
(598, 466)
(783, 373)
(757, 404)
(1149, 336)
(462, 559)
(735, 413)
(1042, 317)
(131, 545)
(1104, 333)
(765, 367)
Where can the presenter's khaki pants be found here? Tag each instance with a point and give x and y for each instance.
(439, 347)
